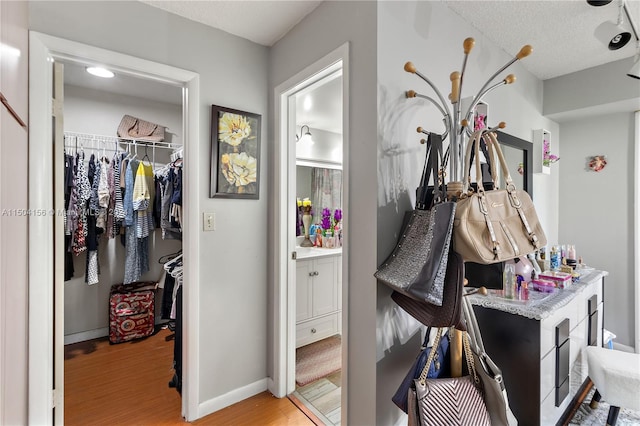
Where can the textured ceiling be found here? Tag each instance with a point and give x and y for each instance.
(561, 32)
(263, 22)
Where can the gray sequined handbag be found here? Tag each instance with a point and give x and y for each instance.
(418, 264)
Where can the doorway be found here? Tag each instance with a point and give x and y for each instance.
(46, 302)
(298, 320)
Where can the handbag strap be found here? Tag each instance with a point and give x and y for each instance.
(473, 144)
(467, 353)
(487, 151)
(511, 189)
(433, 167)
(476, 339)
(437, 170)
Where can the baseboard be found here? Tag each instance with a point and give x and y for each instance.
(86, 335)
(230, 398)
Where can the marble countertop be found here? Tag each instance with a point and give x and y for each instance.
(303, 253)
(539, 305)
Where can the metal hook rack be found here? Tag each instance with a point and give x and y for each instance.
(457, 125)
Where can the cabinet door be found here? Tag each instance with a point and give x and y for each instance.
(304, 271)
(325, 286)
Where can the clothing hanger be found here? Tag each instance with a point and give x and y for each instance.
(173, 261)
(167, 257)
(146, 155)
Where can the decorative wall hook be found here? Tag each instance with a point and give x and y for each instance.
(597, 162)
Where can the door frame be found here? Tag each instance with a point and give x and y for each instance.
(45, 335)
(283, 381)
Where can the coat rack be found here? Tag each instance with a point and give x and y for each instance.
(458, 126)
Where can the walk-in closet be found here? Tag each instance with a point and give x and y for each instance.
(123, 166)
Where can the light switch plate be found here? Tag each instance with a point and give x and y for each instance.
(209, 221)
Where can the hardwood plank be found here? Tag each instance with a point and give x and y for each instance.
(127, 384)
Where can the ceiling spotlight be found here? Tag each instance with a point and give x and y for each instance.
(100, 72)
(612, 35)
(599, 2)
(304, 136)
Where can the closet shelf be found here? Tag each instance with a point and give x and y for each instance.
(88, 137)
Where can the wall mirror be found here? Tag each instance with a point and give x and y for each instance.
(518, 154)
(321, 183)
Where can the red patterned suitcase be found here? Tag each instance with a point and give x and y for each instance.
(131, 311)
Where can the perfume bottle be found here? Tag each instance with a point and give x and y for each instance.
(509, 280)
(555, 258)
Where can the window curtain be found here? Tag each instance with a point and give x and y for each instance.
(326, 187)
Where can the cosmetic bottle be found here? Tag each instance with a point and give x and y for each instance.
(555, 258)
(509, 280)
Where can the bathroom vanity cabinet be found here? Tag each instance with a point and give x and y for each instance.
(318, 295)
(539, 345)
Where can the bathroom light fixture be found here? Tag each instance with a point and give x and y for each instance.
(304, 136)
(100, 72)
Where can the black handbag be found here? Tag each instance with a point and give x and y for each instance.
(449, 314)
(441, 367)
(417, 266)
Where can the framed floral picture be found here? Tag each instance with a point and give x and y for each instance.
(235, 153)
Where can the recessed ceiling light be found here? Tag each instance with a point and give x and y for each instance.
(100, 72)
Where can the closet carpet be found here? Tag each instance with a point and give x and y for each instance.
(127, 384)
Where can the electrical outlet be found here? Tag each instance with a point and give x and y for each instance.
(209, 221)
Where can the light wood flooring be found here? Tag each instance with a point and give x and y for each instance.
(322, 398)
(127, 384)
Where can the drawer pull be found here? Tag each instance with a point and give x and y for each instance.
(313, 330)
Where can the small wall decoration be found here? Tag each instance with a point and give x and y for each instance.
(235, 153)
(597, 162)
(548, 158)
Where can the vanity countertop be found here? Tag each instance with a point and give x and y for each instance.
(539, 305)
(314, 252)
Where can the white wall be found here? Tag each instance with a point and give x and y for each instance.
(325, 29)
(596, 109)
(14, 152)
(327, 146)
(431, 36)
(594, 87)
(97, 112)
(596, 209)
(233, 72)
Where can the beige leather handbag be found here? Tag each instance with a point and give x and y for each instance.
(135, 128)
(493, 226)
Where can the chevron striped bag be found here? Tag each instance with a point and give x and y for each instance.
(456, 401)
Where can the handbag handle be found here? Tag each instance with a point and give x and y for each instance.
(489, 156)
(476, 338)
(433, 160)
(467, 353)
(474, 143)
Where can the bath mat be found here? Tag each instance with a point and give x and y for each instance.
(318, 360)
